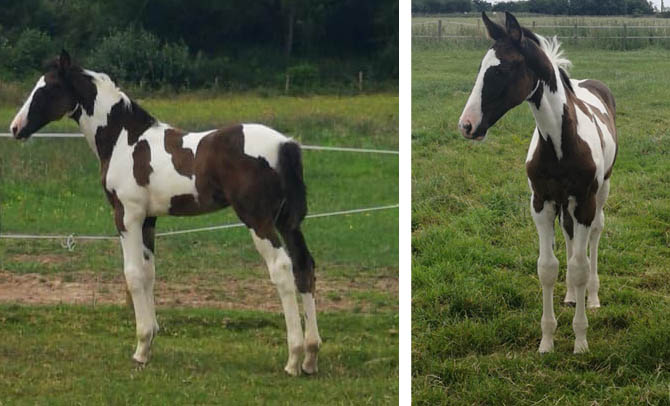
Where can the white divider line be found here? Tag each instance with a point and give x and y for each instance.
(194, 230)
(312, 147)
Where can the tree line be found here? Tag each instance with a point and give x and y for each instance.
(555, 7)
(200, 42)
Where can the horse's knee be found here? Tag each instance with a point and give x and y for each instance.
(136, 278)
(578, 270)
(547, 270)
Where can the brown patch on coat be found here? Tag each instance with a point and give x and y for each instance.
(148, 234)
(118, 210)
(182, 158)
(141, 163)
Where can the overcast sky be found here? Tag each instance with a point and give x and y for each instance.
(656, 3)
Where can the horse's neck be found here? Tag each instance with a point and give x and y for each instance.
(107, 98)
(549, 116)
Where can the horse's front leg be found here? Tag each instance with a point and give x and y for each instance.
(139, 272)
(547, 271)
(578, 275)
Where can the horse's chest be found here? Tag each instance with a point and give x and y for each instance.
(557, 180)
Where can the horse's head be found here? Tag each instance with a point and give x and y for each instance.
(507, 76)
(52, 97)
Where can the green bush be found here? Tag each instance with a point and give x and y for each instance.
(31, 49)
(137, 56)
(303, 75)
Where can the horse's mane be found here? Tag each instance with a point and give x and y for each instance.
(551, 47)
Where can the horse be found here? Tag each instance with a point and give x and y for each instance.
(150, 169)
(569, 161)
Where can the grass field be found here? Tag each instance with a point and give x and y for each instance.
(476, 297)
(222, 337)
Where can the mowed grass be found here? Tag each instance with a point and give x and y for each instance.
(476, 295)
(74, 354)
(67, 355)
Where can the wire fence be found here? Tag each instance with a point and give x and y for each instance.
(611, 36)
(69, 241)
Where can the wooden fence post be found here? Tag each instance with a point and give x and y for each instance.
(360, 81)
(625, 35)
(533, 25)
(439, 29)
(287, 84)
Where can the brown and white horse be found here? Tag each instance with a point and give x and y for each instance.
(150, 169)
(569, 162)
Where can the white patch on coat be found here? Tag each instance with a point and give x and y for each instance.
(549, 117)
(473, 108)
(264, 142)
(609, 149)
(21, 118)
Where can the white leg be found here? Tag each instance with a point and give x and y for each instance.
(578, 272)
(570, 290)
(150, 271)
(139, 279)
(594, 239)
(547, 271)
(312, 339)
(281, 274)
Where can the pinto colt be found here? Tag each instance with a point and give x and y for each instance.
(569, 162)
(150, 169)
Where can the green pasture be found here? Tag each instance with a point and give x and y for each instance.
(71, 354)
(476, 297)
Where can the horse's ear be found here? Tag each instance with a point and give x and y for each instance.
(513, 28)
(494, 30)
(64, 61)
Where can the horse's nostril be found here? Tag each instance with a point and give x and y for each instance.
(467, 127)
(15, 129)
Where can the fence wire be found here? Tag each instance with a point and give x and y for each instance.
(69, 241)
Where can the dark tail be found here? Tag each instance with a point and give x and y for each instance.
(293, 211)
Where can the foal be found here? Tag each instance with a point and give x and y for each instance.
(150, 169)
(569, 161)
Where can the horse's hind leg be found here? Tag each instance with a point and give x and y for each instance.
(279, 265)
(303, 270)
(594, 238)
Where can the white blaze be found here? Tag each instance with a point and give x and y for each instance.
(472, 112)
(21, 118)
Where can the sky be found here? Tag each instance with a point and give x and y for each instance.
(656, 3)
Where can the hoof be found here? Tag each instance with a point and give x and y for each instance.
(546, 346)
(581, 347)
(292, 370)
(309, 366)
(570, 303)
(139, 365)
(595, 304)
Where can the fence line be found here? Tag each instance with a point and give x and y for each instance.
(667, 26)
(557, 36)
(309, 147)
(69, 241)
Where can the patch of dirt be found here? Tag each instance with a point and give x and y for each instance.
(248, 294)
(42, 259)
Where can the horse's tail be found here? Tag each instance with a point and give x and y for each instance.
(292, 213)
(294, 207)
